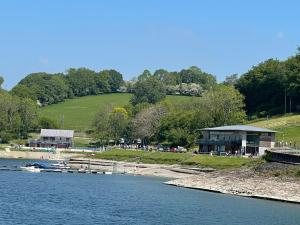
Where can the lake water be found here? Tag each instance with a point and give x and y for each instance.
(58, 198)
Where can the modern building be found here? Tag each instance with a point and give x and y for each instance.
(54, 138)
(237, 139)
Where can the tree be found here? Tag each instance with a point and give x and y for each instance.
(168, 78)
(82, 81)
(24, 92)
(28, 115)
(150, 90)
(47, 123)
(264, 87)
(1, 81)
(101, 125)
(118, 122)
(195, 75)
(115, 80)
(145, 75)
(147, 121)
(47, 88)
(17, 116)
(224, 105)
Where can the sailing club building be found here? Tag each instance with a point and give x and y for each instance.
(237, 139)
(54, 138)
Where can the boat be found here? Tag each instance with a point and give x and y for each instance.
(34, 167)
(37, 167)
(60, 165)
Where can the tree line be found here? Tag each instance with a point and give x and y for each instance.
(54, 88)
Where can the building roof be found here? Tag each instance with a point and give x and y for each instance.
(239, 128)
(57, 133)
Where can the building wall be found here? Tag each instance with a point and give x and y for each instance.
(256, 143)
(57, 139)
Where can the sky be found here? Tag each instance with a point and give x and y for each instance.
(220, 37)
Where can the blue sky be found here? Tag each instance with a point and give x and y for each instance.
(220, 37)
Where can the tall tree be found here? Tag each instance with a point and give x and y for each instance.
(150, 90)
(147, 121)
(82, 81)
(224, 104)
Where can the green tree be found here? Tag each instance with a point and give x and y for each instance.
(101, 126)
(82, 81)
(47, 123)
(28, 116)
(224, 104)
(150, 91)
(145, 75)
(195, 75)
(264, 87)
(118, 122)
(24, 92)
(1, 81)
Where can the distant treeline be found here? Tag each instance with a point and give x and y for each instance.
(272, 87)
(53, 88)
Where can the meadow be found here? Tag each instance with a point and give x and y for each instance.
(287, 127)
(78, 113)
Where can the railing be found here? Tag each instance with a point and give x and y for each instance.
(219, 142)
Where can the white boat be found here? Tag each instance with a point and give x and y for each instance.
(60, 165)
(30, 169)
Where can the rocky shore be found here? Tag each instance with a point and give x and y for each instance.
(248, 182)
(244, 182)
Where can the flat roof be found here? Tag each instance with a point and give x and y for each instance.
(57, 133)
(239, 128)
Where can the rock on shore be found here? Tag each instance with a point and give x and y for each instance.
(244, 183)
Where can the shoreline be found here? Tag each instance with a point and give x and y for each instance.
(240, 182)
(243, 196)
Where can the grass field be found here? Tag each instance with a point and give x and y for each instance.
(78, 113)
(288, 128)
(217, 162)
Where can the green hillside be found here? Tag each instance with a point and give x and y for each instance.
(288, 128)
(78, 113)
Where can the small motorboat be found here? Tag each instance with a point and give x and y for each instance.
(34, 167)
(60, 165)
(37, 167)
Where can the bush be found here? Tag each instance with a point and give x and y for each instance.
(5, 137)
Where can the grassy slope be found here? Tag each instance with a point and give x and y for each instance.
(288, 127)
(78, 113)
(217, 162)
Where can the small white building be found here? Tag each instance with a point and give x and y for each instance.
(237, 139)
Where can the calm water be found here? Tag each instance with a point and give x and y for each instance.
(54, 198)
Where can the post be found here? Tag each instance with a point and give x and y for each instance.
(290, 104)
(284, 101)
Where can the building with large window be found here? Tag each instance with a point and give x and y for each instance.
(237, 139)
(54, 138)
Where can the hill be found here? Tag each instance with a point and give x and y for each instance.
(288, 128)
(78, 113)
